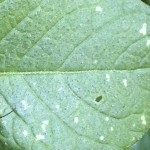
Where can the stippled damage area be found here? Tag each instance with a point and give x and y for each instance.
(77, 72)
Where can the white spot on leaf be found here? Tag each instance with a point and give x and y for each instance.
(34, 83)
(143, 30)
(76, 120)
(25, 133)
(111, 129)
(143, 120)
(46, 122)
(107, 77)
(133, 125)
(107, 119)
(6, 143)
(133, 139)
(24, 104)
(95, 61)
(102, 138)
(44, 125)
(125, 82)
(98, 9)
(57, 107)
(148, 43)
(60, 89)
(40, 137)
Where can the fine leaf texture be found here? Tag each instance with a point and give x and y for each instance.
(77, 73)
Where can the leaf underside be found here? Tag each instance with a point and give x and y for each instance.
(77, 73)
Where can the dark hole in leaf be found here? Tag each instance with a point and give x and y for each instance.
(98, 99)
(146, 2)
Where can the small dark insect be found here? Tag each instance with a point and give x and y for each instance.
(7, 114)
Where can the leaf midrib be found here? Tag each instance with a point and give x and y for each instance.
(71, 72)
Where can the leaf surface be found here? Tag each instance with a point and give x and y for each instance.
(77, 72)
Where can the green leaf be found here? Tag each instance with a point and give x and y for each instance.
(77, 73)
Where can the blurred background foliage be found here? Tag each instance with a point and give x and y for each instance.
(143, 144)
(146, 1)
